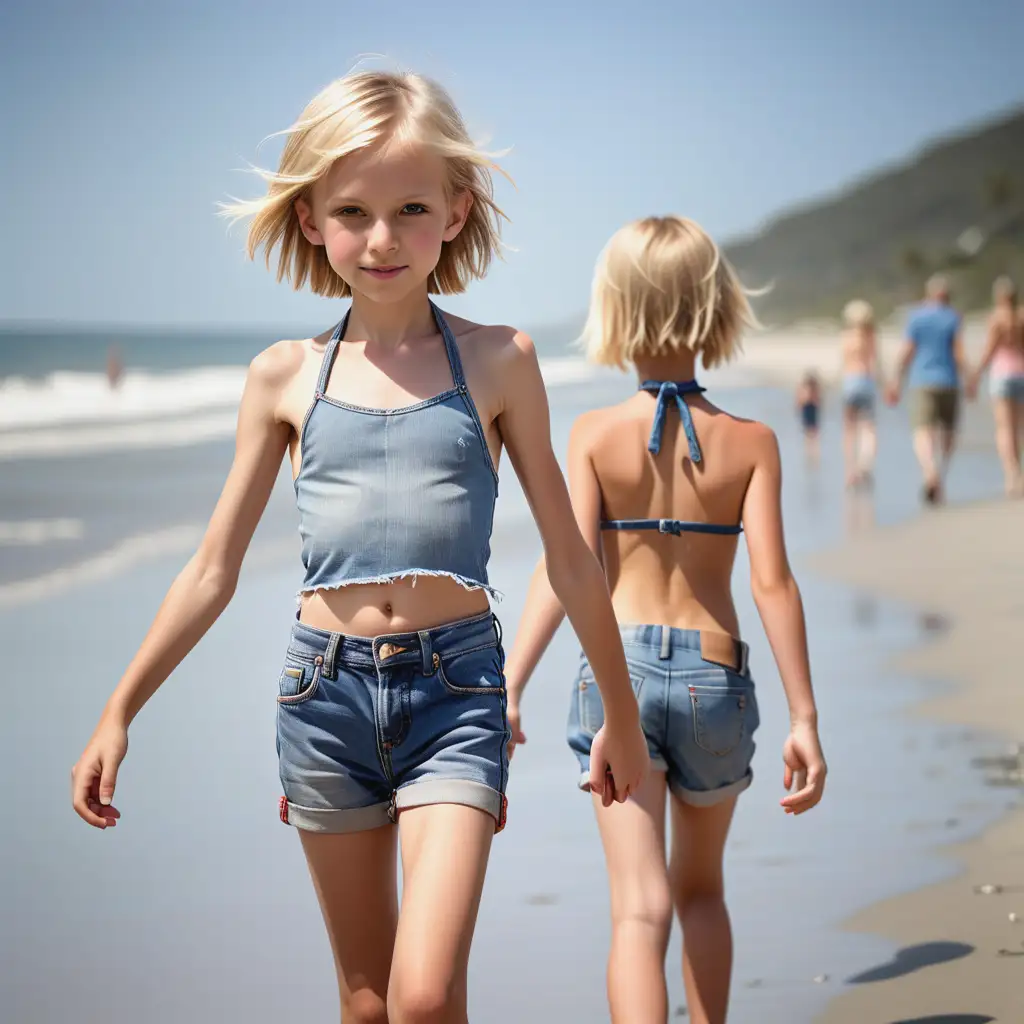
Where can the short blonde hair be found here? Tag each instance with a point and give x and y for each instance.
(858, 313)
(352, 114)
(662, 284)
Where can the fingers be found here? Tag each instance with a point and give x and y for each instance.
(85, 796)
(599, 772)
(787, 778)
(108, 779)
(807, 796)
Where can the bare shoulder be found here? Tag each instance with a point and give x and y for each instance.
(492, 342)
(279, 363)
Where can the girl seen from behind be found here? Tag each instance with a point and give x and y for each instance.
(662, 485)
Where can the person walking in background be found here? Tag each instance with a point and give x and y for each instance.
(932, 362)
(1004, 359)
(662, 485)
(860, 372)
(808, 408)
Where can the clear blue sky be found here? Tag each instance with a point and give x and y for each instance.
(124, 122)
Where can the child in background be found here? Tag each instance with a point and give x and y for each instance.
(808, 407)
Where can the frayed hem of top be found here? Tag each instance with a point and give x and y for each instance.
(394, 577)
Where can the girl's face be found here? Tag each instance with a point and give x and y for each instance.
(382, 215)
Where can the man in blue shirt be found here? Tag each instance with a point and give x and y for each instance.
(933, 354)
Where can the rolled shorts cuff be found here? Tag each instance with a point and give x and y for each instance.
(658, 764)
(710, 797)
(329, 819)
(453, 791)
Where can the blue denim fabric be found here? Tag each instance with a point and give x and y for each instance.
(1009, 387)
(368, 727)
(699, 716)
(859, 393)
(387, 493)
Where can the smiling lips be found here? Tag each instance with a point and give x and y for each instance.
(383, 273)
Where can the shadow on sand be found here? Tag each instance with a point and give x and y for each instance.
(913, 958)
(948, 1018)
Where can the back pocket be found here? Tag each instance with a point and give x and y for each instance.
(719, 703)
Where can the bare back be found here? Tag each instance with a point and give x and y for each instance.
(858, 347)
(684, 580)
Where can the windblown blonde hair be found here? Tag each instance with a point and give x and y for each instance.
(354, 113)
(858, 313)
(662, 284)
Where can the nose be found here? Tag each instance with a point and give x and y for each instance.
(382, 237)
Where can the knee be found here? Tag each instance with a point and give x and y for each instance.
(650, 908)
(699, 891)
(364, 1006)
(421, 1001)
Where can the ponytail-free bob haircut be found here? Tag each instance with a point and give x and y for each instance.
(355, 113)
(661, 285)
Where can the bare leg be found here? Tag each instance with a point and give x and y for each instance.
(444, 860)
(924, 449)
(633, 835)
(850, 445)
(355, 880)
(868, 447)
(1008, 416)
(698, 888)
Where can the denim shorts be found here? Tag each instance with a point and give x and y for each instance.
(369, 727)
(859, 394)
(698, 712)
(1009, 387)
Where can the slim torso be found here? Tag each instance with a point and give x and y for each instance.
(858, 347)
(681, 581)
(390, 378)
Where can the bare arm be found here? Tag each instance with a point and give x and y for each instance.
(992, 340)
(543, 612)
(775, 591)
(576, 576)
(778, 603)
(201, 590)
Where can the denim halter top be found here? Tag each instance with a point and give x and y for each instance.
(667, 391)
(389, 493)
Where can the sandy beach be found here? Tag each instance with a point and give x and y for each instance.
(961, 943)
(202, 879)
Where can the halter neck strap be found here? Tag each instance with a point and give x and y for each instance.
(667, 391)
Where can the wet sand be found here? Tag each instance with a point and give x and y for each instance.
(959, 955)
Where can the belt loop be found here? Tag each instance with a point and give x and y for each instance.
(497, 627)
(742, 656)
(331, 656)
(666, 642)
(426, 652)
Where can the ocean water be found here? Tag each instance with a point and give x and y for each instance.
(198, 906)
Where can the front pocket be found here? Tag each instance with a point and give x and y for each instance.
(719, 717)
(299, 682)
(478, 673)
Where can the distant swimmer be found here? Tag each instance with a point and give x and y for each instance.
(808, 407)
(115, 368)
(1004, 360)
(932, 356)
(860, 373)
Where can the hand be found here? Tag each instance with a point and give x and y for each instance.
(518, 736)
(971, 387)
(805, 769)
(619, 761)
(892, 394)
(94, 777)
